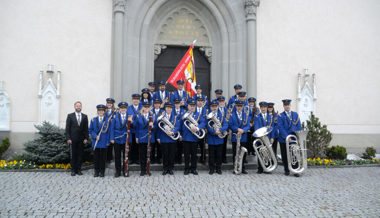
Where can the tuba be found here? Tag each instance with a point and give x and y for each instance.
(189, 122)
(296, 151)
(166, 126)
(263, 149)
(215, 123)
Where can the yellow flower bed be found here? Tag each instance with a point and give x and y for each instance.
(320, 162)
(13, 164)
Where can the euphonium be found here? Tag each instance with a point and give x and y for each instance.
(215, 123)
(263, 149)
(296, 151)
(166, 126)
(189, 121)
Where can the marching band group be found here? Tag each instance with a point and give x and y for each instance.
(167, 126)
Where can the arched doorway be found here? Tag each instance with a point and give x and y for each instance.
(169, 59)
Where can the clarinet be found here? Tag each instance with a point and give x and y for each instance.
(148, 149)
(126, 170)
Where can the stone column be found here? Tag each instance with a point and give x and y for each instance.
(250, 7)
(117, 55)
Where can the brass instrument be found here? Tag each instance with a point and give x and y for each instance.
(216, 124)
(229, 111)
(240, 151)
(166, 126)
(189, 122)
(263, 149)
(296, 151)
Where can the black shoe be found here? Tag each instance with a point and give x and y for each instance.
(117, 174)
(194, 172)
(158, 162)
(244, 171)
(72, 173)
(164, 172)
(101, 175)
(287, 173)
(297, 175)
(96, 174)
(171, 172)
(142, 173)
(211, 172)
(219, 172)
(79, 173)
(260, 171)
(186, 172)
(224, 160)
(245, 161)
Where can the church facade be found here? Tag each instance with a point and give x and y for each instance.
(322, 54)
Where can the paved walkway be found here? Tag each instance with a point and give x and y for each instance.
(318, 193)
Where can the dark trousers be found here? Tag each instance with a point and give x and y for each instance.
(224, 148)
(155, 153)
(110, 152)
(201, 144)
(142, 155)
(274, 146)
(284, 156)
(76, 155)
(168, 153)
(179, 152)
(215, 156)
(100, 156)
(133, 150)
(190, 149)
(119, 157)
(250, 143)
(234, 149)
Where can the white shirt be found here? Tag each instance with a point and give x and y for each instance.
(123, 117)
(157, 110)
(265, 116)
(162, 94)
(100, 119)
(168, 116)
(199, 109)
(136, 107)
(79, 116)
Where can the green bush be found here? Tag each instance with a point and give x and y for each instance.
(51, 146)
(369, 153)
(318, 138)
(4, 146)
(336, 152)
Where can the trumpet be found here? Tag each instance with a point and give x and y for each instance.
(264, 150)
(189, 122)
(166, 126)
(215, 123)
(296, 151)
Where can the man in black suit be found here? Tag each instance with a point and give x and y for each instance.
(76, 136)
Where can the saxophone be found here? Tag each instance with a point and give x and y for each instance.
(240, 151)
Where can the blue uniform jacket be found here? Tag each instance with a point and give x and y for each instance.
(142, 128)
(145, 100)
(288, 125)
(179, 115)
(94, 129)
(212, 138)
(176, 95)
(234, 123)
(275, 130)
(118, 130)
(187, 135)
(131, 111)
(162, 135)
(158, 96)
(261, 122)
(155, 120)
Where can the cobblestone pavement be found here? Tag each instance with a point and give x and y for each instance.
(318, 193)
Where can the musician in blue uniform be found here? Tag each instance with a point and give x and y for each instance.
(190, 141)
(141, 124)
(178, 111)
(263, 119)
(132, 111)
(162, 94)
(180, 94)
(203, 111)
(156, 153)
(168, 145)
(239, 124)
(215, 143)
(288, 122)
(234, 98)
(145, 97)
(275, 131)
(253, 111)
(99, 134)
(152, 89)
(110, 112)
(118, 136)
(223, 110)
(199, 94)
